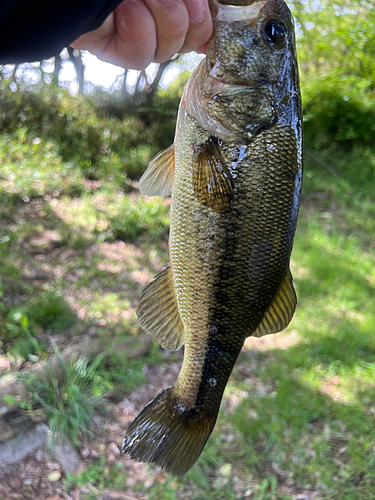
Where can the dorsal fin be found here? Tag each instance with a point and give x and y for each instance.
(158, 312)
(212, 181)
(280, 312)
(158, 178)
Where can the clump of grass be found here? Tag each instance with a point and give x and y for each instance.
(51, 311)
(69, 405)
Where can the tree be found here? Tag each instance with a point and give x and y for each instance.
(76, 57)
(336, 50)
(336, 37)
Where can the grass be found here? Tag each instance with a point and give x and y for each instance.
(68, 404)
(298, 414)
(51, 311)
(99, 474)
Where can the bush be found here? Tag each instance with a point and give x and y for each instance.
(339, 110)
(103, 136)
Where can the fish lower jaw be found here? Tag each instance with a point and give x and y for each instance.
(243, 10)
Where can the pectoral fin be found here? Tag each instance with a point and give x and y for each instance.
(280, 311)
(212, 180)
(158, 178)
(158, 312)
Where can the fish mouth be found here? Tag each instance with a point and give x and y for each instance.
(195, 101)
(237, 2)
(212, 80)
(236, 10)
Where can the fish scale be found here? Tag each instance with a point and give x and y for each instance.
(234, 173)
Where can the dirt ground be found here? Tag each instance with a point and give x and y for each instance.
(40, 477)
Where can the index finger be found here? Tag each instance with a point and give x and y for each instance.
(200, 25)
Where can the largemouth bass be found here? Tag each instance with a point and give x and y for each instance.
(234, 173)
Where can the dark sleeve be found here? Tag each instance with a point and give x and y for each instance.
(32, 30)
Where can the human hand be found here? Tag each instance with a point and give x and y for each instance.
(139, 32)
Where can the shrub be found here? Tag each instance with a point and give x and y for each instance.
(339, 110)
(102, 136)
(140, 216)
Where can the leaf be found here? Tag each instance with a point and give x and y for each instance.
(24, 321)
(225, 470)
(54, 476)
(9, 399)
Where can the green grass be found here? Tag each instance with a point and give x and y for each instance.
(99, 474)
(69, 403)
(51, 311)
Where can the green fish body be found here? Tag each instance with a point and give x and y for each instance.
(234, 173)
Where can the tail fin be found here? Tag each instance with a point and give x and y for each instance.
(168, 433)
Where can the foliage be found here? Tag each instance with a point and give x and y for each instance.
(76, 137)
(140, 216)
(335, 36)
(337, 67)
(339, 110)
(17, 332)
(69, 405)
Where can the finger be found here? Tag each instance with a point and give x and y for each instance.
(172, 23)
(136, 40)
(97, 39)
(200, 25)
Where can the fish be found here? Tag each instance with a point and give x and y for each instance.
(234, 174)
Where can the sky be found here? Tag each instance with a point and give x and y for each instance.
(104, 74)
(98, 73)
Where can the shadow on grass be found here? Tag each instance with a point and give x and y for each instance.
(69, 273)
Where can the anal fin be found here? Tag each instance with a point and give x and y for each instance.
(158, 312)
(158, 178)
(280, 312)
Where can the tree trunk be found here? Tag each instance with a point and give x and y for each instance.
(152, 88)
(124, 91)
(138, 93)
(79, 67)
(56, 72)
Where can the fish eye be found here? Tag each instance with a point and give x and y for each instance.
(275, 31)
